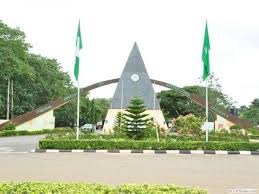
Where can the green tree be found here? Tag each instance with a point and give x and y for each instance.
(37, 80)
(136, 119)
(251, 113)
(13, 60)
(90, 112)
(13, 52)
(102, 105)
(66, 115)
(175, 104)
(119, 124)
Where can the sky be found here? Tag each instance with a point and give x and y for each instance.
(169, 34)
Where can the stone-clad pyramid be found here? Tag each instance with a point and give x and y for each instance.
(134, 81)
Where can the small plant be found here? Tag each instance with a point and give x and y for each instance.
(150, 132)
(9, 127)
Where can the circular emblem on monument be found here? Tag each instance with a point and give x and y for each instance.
(134, 77)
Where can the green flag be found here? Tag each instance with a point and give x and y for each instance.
(79, 46)
(205, 54)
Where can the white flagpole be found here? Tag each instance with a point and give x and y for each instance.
(78, 102)
(11, 98)
(8, 100)
(207, 111)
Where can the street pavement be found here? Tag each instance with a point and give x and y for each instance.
(19, 143)
(217, 173)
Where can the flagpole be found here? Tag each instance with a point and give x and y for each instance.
(79, 46)
(8, 100)
(78, 102)
(206, 73)
(207, 111)
(12, 98)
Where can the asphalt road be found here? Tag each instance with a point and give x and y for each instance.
(217, 173)
(19, 144)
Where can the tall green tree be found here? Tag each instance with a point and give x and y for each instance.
(135, 118)
(13, 53)
(90, 112)
(251, 113)
(102, 105)
(175, 104)
(37, 80)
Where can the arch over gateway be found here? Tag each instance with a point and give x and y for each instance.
(29, 116)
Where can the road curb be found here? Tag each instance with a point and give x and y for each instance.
(134, 151)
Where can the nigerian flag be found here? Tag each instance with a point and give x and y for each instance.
(205, 54)
(79, 46)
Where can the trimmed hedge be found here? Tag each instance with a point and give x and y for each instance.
(82, 188)
(7, 133)
(145, 144)
(253, 136)
(20, 133)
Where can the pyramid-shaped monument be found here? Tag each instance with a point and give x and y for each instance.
(134, 82)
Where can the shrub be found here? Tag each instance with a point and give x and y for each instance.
(235, 127)
(9, 126)
(254, 131)
(13, 133)
(145, 144)
(188, 125)
(253, 136)
(73, 188)
(57, 131)
(224, 135)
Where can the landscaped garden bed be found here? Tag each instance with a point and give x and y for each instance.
(83, 188)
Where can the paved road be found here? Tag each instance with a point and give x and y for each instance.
(19, 144)
(217, 173)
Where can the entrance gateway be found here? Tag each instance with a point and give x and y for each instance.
(42, 117)
(134, 82)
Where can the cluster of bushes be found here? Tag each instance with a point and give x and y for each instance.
(72, 135)
(225, 135)
(58, 131)
(74, 188)
(188, 125)
(9, 126)
(254, 133)
(254, 137)
(221, 135)
(145, 144)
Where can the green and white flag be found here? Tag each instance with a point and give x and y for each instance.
(79, 46)
(205, 54)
